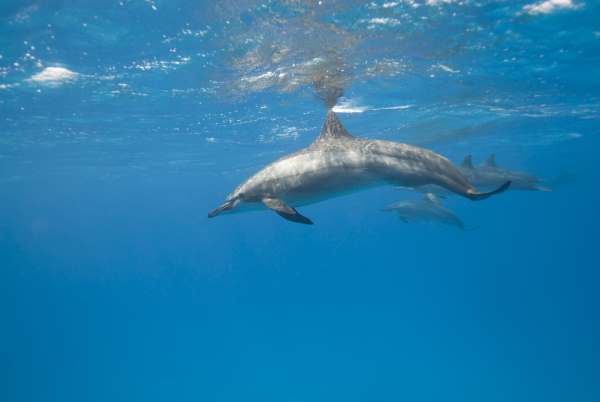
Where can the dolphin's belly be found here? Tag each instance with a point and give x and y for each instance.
(334, 183)
(311, 178)
(335, 179)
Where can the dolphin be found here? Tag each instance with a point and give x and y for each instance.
(489, 174)
(337, 163)
(427, 209)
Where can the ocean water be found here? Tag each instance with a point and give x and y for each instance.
(122, 123)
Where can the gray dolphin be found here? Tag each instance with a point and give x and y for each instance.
(489, 175)
(428, 209)
(337, 163)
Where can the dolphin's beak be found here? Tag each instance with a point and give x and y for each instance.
(226, 206)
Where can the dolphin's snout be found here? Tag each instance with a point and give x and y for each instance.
(226, 206)
(214, 212)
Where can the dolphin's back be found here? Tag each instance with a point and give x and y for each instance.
(413, 166)
(331, 168)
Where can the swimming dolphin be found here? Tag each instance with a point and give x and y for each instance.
(489, 175)
(337, 163)
(427, 209)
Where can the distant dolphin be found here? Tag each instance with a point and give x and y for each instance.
(489, 175)
(337, 163)
(428, 209)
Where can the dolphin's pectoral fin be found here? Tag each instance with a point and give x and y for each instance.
(285, 211)
(482, 196)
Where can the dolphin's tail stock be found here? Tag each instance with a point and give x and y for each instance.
(477, 196)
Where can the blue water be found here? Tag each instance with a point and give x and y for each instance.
(123, 123)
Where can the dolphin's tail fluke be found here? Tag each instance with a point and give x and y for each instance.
(476, 196)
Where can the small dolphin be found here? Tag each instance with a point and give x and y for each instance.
(489, 175)
(428, 209)
(337, 163)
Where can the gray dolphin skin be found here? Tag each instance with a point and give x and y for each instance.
(337, 163)
(428, 209)
(489, 175)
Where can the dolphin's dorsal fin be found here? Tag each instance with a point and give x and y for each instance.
(467, 162)
(490, 161)
(332, 129)
(432, 198)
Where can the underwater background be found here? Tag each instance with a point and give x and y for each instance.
(122, 123)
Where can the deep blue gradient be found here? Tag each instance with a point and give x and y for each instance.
(114, 286)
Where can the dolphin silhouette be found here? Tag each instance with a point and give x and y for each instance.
(337, 163)
(426, 209)
(489, 175)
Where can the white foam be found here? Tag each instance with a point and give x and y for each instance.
(7, 86)
(349, 107)
(438, 2)
(383, 21)
(446, 68)
(164, 65)
(399, 107)
(288, 132)
(152, 5)
(550, 6)
(54, 76)
(261, 77)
